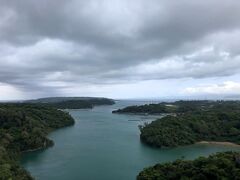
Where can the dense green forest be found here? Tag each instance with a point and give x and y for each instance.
(218, 166)
(192, 127)
(24, 127)
(190, 122)
(73, 102)
(180, 107)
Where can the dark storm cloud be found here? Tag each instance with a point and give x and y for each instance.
(60, 42)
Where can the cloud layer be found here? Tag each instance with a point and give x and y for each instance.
(227, 88)
(55, 47)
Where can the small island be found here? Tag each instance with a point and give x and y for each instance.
(218, 166)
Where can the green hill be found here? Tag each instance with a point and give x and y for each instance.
(72, 102)
(189, 122)
(180, 107)
(24, 127)
(192, 127)
(219, 166)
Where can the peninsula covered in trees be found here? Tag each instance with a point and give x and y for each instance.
(180, 107)
(73, 102)
(190, 122)
(24, 127)
(218, 166)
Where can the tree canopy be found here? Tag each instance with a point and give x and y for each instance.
(24, 127)
(190, 122)
(217, 167)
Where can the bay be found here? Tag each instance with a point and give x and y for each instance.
(102, 146)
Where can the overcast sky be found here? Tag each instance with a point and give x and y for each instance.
(119, 48)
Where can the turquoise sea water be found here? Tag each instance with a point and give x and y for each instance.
(102, 146)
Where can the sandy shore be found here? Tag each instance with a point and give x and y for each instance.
(218, 143)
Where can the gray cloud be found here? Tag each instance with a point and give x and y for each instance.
(57, 43)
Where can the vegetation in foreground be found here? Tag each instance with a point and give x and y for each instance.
(218, 166)
(24, 127)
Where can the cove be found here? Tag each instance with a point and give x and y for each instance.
(102, 146)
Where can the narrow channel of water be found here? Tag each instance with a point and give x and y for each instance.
(102, 146)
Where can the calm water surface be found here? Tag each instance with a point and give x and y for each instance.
(102, 146)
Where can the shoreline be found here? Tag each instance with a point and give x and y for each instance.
(143, 114)
(225, 143)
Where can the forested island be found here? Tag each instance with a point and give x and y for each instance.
(218, 166)
(73, 102)
(190, 122)
(24, 127)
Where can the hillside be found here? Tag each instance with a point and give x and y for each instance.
(180, 107)
(218, 166)
(24, 127)
(192, 127)
(72, 102)
(189, 122)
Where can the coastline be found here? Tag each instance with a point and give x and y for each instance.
(144, 114)
(224, 143)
